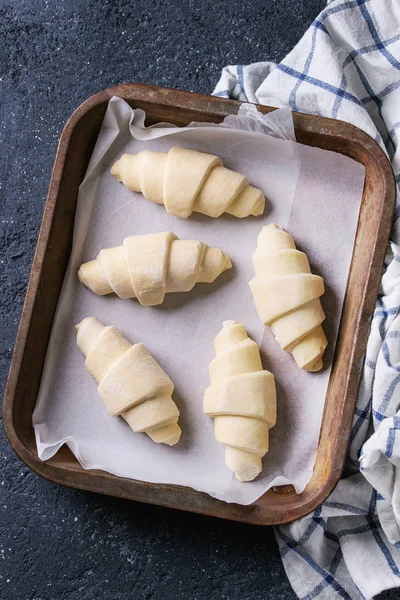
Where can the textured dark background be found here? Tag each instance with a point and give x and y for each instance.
(57, 543)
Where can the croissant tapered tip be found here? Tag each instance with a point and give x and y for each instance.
(228, 263)
(81, 323)
(267, 234)
(115, 171)
(214, 263)
(218, 262)
(169, 434)
(228, 324)
(259, 208)
(84, 322)
(92, 275)
(244, 465)
(81, 275)
(87, 331)
(272, 227)
(316, 366)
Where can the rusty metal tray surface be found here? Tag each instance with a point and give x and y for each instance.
(278, 505)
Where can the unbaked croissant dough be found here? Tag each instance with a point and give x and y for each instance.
(286, 295)
(147, 267)
(131, 382)
(241, 399)
(186, 181)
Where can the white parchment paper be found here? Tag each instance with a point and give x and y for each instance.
(313, 193)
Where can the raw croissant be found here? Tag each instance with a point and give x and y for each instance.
(286, 296)
(186, 181)
(131, 383)
(241, 399)
(148, 266)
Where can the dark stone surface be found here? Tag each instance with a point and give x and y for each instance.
(57, 543)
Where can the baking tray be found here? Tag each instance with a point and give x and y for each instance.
(280, 504)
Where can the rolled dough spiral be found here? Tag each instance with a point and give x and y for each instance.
(147, 267)
(186, 181)
(286, 295)
(241, 399)
(131, 382)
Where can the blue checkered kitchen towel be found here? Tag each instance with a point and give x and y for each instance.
(347, 66)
